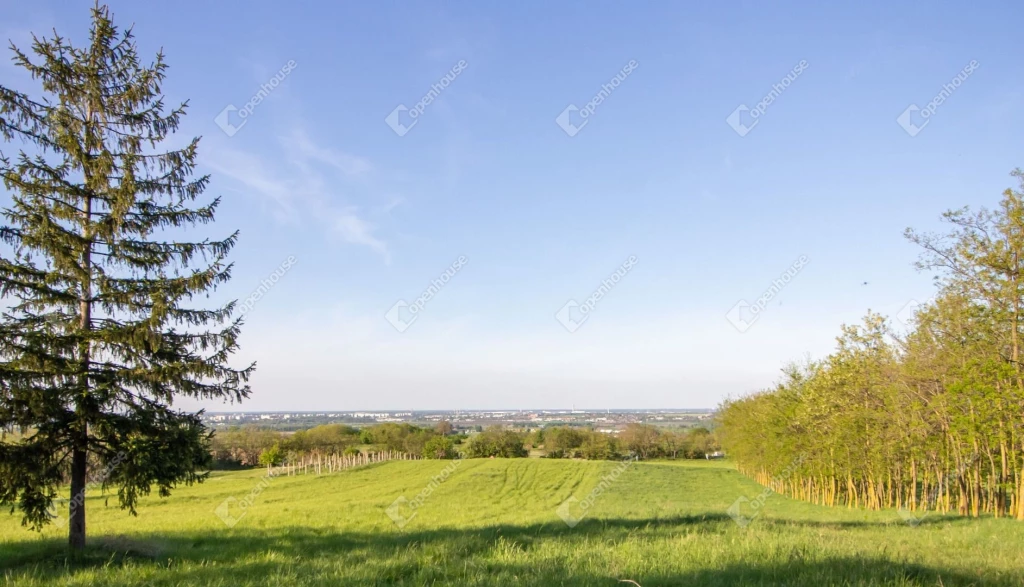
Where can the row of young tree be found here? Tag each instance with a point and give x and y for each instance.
(925, 417)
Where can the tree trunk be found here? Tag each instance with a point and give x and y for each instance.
(76, 522)
(76, 525)
(1020, 496)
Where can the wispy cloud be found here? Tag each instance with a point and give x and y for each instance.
(350, 166)
(252, 172)
(306, 183)
(360, 232)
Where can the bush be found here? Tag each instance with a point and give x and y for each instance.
(328, 438)
(416, 442)
(272, 456)
(242, 446)
(563, 440)
(597, 446)
(699, 442)
(497, 442)
(439, 447)
(642, 439)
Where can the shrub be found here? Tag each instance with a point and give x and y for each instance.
(497, 442)
(597, 446)
(439, 447)
(563, 440)
(272, 456)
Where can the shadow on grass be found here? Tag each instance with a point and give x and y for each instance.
(489, 555)
(895, 522)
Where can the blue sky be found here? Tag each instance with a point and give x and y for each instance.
(542, 218)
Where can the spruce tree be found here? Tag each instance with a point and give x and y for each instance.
(101, 329)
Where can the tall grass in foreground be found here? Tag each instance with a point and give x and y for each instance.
(496, 522)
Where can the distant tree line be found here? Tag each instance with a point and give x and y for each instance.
(250, 445)
(930, 418)
(643, 441)
(245, 445)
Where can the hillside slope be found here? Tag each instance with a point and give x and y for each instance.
(498, 522)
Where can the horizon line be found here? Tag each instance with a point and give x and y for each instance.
(580, 410)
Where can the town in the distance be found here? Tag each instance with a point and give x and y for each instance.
(607, 421)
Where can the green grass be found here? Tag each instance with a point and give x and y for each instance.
(494, 522)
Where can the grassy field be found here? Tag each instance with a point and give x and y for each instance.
(497, 522)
